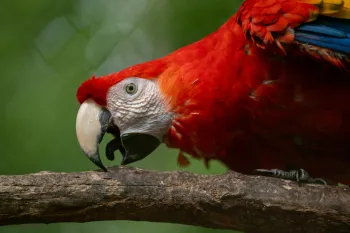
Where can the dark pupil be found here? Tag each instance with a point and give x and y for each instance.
(130, 88)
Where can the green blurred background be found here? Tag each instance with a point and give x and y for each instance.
(47, 48)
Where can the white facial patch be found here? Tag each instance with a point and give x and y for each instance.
(137, 106)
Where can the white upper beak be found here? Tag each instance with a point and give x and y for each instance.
(91, 124)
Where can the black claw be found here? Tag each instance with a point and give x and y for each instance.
(288, 175)
(317, 181)
(265, 172)
(321, 181)
(299, 175)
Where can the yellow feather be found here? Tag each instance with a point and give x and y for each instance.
(333, 8)
(313, 2)
(344, 12)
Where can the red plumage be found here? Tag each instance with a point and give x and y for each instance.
(252, 97)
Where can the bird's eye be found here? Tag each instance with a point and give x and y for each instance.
(131, 88)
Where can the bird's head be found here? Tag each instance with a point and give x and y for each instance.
(128, 104)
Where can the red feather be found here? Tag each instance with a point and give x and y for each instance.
(251, 107)
(97, 88)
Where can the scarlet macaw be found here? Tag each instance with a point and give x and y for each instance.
(270, 89)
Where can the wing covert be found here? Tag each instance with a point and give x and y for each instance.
(312, 25)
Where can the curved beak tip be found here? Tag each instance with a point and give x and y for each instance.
(97, 161)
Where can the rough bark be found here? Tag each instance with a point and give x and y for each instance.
(228, 201)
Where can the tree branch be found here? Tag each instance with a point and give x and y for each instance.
(228, 201)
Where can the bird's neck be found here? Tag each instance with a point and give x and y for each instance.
(198, 76)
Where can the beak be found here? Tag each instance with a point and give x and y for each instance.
(93, 121)
(91, 125)
(137, 146)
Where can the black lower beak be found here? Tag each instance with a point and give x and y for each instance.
(132, 146)
(137, 146)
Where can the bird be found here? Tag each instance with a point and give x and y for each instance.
(267, 93)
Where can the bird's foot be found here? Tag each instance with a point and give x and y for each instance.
(299, 175)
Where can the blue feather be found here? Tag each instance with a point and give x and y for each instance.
(326, 32)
